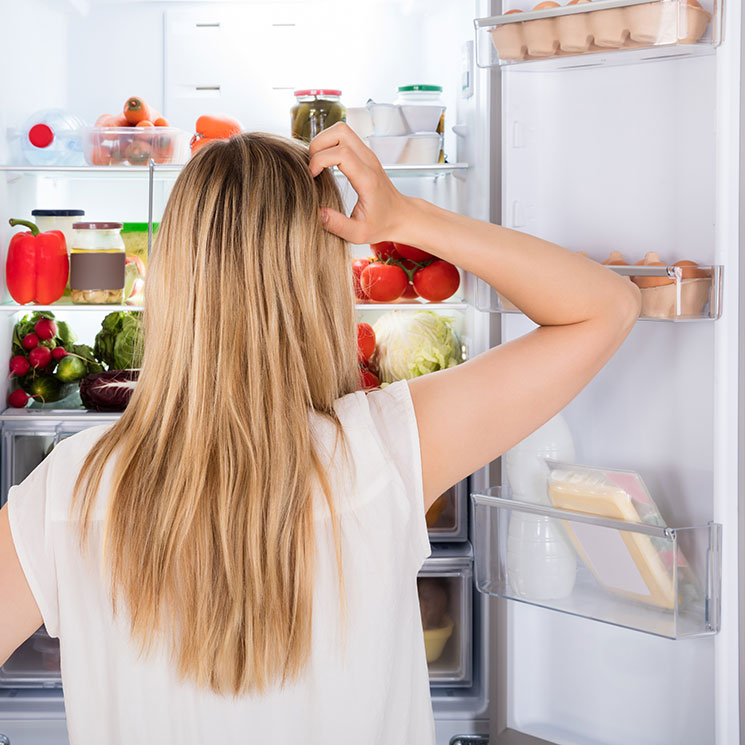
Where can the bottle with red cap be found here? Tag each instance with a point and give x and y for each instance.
(315, 109)
(52, 138)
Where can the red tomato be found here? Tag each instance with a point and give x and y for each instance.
(365, 342)
(409, 252)
(368, 380)
(409, 293)
(357, 266)
(383, 283)
(384, 250)
(438, 281)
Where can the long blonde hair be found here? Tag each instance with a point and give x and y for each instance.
(249, 326)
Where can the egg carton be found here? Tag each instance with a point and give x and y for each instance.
(590, 26)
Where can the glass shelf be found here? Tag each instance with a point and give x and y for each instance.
(696, 298)
(516, 545)
(65, 305)
(170, 172)
(603, 32)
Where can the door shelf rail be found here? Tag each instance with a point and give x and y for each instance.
(598, 33)
(687, 295)
(513, 551)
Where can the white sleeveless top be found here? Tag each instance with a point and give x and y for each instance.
(368, 686)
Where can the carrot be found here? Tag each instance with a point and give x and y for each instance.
(135, 110)
(144, 123)
(161, 121)
(217, 126)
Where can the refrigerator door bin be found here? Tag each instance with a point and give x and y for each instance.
(634, 575)
(668, 293)
(445, 600)
(446, 518)
(604, 28)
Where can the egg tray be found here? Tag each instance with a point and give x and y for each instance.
(590, 27)
(683, 299)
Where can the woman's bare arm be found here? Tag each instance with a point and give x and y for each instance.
(20, 614)
(471, 414)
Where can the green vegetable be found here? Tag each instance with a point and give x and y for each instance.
(118, 344)
(70, 368)
(46, 387)
(409, 344)
(84, 351)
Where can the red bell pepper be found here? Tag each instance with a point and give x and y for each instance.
(37, 266)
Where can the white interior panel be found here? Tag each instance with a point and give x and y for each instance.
(622, 158)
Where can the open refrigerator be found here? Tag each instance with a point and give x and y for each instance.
(587, 128)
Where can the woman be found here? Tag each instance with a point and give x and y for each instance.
(235, 560)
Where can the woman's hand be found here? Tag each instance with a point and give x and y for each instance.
(380, 210)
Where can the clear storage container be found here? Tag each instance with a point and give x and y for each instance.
(600, 26)
(423, 110)
(635, 572)
(135, 146)
(444, 586)
(97, 261)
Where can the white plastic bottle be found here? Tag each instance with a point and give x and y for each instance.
(541, 563)
(52, 138)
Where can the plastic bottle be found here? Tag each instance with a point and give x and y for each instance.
(52, 138)
(541, 563)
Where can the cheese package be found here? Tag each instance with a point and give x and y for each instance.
(632, 564)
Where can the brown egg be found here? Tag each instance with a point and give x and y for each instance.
(546, 5)
(652, 259)
(616, 259)
(691, 270)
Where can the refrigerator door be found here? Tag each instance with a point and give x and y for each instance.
(638, 157)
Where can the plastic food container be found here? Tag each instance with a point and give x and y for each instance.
(134, 235)
(315, 109)
(421, 148)
(575, 33)
(360, 121)
(387, 119)
(57, 220)
(97, 260)
(134, 146)
(541, 37)
(667, 23)
(388, 148)
(422, 107)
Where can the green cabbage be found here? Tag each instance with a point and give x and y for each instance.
(413, 343)
(118, 344)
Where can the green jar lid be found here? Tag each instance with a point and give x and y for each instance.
(137, 227)
(407, 88)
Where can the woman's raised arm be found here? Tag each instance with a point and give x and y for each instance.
(471, 414)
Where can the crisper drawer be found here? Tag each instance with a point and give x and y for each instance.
(446, 518)
(445, 601)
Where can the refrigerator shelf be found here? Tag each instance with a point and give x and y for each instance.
(598, 33)
(167, 172)
(697, 298)
(685, 602)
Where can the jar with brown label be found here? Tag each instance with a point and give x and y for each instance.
(97, 259)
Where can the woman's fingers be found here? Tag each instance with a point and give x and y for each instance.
(347, 228)
(341, 134)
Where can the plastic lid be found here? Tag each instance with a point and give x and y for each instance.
(419, 87)
(97, 226)
(41, 135)
(57, 213)
(137, 227)
(318, 92)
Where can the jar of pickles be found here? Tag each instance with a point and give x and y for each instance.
(97, 259)
(315, 109)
